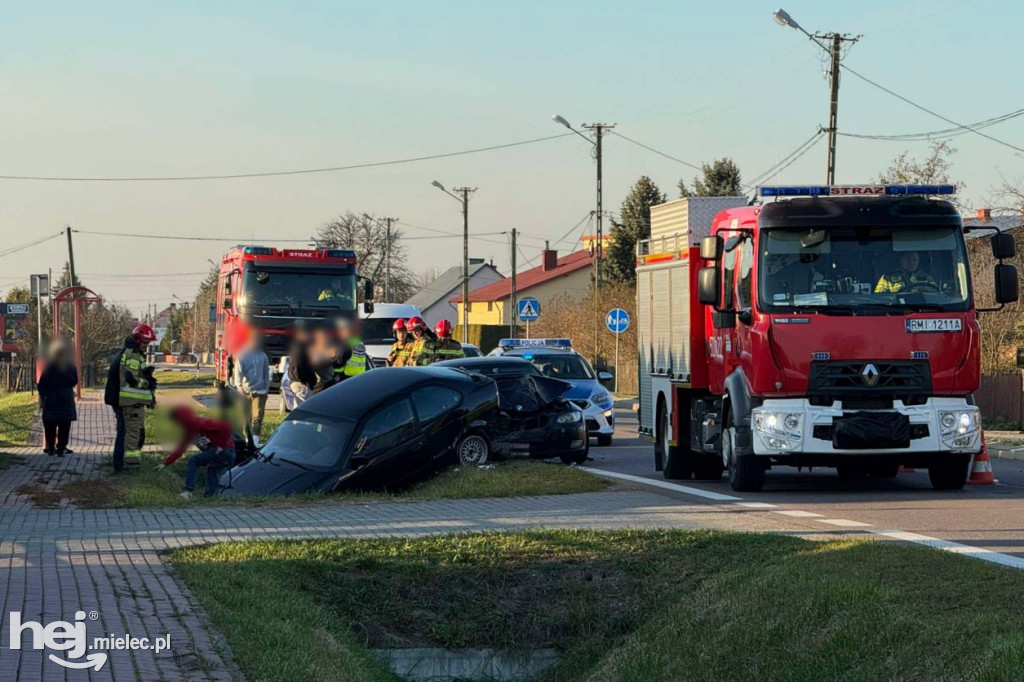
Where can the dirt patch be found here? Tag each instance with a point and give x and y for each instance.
(93, 493)
(40, 496)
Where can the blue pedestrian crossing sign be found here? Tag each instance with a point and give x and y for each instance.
(528, 309)
(617, 320)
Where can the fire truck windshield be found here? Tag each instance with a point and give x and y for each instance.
(267, 286)
(859, 270)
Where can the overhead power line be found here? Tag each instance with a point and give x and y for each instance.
(659, 153)
(27, 245)
(939, 134)
(788, 160)
(269, 174)
(236, 240)
(929, 111)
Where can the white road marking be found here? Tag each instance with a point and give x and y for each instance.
(707, 494)
(847, 523)
(915, 538)
(756, 505)
(954, 547)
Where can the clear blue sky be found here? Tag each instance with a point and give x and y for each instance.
(146, 88)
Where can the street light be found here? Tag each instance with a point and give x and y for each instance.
(598, 129)
(464, 200)
(833, 49)
(782, 18)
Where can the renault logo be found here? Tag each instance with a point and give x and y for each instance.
(870, 374)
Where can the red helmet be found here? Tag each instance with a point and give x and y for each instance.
(143, 333)
(399, 325)
(415, 322)
(443, 328)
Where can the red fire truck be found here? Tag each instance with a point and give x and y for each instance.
(827, 326)
(265, 290)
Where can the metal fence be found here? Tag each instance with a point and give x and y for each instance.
(20, 376)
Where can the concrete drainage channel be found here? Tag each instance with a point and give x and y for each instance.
(445, 665)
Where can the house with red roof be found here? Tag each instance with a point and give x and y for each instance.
(555, 276)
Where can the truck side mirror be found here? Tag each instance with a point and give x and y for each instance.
(368, 296)
(1003, 245)
(1006, 281)
(708, 291)
(711, 248)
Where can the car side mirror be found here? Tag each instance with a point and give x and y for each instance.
(711, 248)
(605, 376)
(1006, 283)
(1003, 245)
(708, 291)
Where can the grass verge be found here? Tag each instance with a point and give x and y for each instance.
(146, 488)
(621, 605)
(17, 411)
(183, 378)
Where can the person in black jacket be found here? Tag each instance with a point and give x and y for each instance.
(57, 398)
(301, 370)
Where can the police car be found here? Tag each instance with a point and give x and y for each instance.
(556, 358)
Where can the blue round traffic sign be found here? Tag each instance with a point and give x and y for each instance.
(528, 309)
(617, 320)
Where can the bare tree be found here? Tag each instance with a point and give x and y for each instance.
(368, 238)
(1000, 331)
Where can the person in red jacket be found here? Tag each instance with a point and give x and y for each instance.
(213, 437)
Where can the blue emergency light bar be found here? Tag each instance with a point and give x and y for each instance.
(341, 253)
(853, 190)
(535, 343)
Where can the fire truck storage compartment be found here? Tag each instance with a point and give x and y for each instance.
(670, 320)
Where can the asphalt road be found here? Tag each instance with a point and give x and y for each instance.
(982, 517)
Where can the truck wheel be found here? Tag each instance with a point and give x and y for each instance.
(746, 474)
(673, 462)
(949, 472)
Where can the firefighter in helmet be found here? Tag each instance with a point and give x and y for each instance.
(131, 388)
(444, 347)
(417, 328)
(401, 349)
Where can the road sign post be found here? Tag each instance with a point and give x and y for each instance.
(617, 322)
(528, 310)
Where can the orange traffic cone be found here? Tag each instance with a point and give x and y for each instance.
(981, 467)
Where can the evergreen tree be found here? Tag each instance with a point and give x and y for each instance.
(720, 178)
(634, 224)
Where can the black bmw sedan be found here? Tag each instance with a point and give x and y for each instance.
(378, 430)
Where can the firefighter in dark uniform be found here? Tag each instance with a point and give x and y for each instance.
(444, 347)
(907, 277)
(130, 390)
(401, 349)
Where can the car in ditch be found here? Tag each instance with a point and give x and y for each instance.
(379, 430)
(535, 417)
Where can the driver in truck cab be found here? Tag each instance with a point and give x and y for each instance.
(906, 277)
(336, 292)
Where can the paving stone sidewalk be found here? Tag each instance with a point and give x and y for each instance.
(107, 563)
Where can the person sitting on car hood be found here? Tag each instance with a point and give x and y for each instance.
(213, 438)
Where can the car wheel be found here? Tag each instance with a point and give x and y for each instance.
(673, 464)
(949, 472)
(604, 441)
(746, 473)
(473, 450)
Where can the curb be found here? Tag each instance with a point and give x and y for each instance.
(1006, 451)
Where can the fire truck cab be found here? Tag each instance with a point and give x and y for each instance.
(268, 291)
(829, 326)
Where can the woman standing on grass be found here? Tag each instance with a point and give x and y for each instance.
(57, 398)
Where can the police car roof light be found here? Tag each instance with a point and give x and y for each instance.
(853, 190)
(535, 343)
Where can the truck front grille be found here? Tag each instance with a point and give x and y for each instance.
(878, 377)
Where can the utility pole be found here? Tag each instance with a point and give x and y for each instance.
(835, 54)
(832, 43)
(71, 257)
(387, 258)
(465, 192)
(599, 132)
(513, 308)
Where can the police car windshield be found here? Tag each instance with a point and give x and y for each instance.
(265, 286)
(561, 366)
(854, 270)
